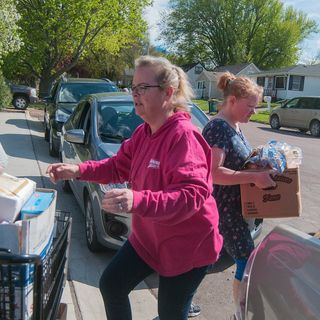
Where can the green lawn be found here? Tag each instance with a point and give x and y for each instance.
(261, 117)
(202, 104)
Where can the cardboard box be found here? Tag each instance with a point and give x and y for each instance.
(36, 204)
(282, 201)
(14, 192)
(62, 311)
(31, 236)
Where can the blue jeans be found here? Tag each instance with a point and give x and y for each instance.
(126, 270)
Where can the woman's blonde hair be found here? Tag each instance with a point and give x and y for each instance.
(240, 87)
(168, 74)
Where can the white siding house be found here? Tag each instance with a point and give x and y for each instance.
(294, 81)
(207, 80)
(193, 70)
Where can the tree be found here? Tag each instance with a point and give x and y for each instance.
(102, 63)
(236, 31)
(9, 39)
(9, 42)
(5, 93)
(56, 33)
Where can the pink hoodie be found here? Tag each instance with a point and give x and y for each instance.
(174, 216)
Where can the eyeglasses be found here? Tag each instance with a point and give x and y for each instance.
(140, 89)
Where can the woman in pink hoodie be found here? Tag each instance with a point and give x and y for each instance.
(174, 217)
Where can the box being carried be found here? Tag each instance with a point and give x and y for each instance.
(281, 201)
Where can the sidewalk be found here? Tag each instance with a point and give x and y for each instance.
(22, 137)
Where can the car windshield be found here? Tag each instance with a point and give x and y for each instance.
(73, 92)
(117, 120)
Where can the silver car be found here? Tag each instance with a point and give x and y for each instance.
(95, 131)
(301, 113)
(281, 279)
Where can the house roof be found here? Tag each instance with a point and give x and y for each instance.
(235, 69)
(210, 75)
(300, 69)
(187, 67)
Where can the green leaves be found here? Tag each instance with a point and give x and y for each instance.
(9, 38)
(56, 33)
(236, 31)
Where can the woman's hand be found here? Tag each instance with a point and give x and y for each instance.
(118, 200)
(262, 179)
(63, 171)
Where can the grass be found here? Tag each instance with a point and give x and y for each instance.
(202, 104)
(261, 117)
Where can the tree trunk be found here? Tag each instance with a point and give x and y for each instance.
(45, 85)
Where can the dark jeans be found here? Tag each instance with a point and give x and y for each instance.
(127, 269)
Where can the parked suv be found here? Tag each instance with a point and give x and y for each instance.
(22, 95)
(65, 95)
(301, 113)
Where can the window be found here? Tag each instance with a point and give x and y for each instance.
(261, 81)
(201, 85)
(281, 82)
(296, 83)
(294, 103)
(315, 103)
(73, 92)
(198, 69)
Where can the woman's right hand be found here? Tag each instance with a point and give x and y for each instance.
(63, 171)
(262, 179)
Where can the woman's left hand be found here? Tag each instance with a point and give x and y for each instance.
(118, 200)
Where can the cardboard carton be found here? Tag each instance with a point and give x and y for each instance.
(31, 236)
(36, 204)
(282, 201)
(62, 311)
(14, 192)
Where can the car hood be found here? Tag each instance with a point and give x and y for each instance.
(67, 107)
(20, 86)
(107, 150)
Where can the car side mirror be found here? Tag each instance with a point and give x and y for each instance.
(75, 136)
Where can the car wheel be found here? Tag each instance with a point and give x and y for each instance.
(52, 149)
(20, 102)
(91, 232)
(66, 186)
(315, 128)
(274, 122)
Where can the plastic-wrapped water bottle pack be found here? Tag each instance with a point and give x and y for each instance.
(276, 155)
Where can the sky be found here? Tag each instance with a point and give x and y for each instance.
(310, 47)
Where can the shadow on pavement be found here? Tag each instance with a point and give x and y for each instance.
(23, 124)
(224, 262)
(18, 146)
(288, 132)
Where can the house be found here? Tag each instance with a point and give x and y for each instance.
(193, 70)
(294, 81)
(206, 82)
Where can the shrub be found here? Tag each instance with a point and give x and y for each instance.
(5, 93)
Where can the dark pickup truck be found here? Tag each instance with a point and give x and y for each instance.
(22, 95)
